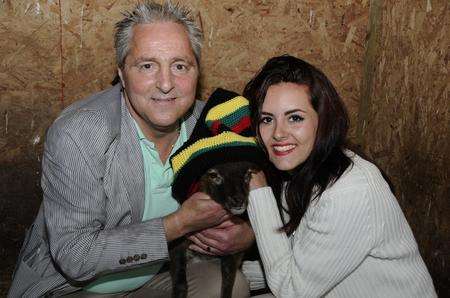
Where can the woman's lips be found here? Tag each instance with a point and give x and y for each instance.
(282, 150)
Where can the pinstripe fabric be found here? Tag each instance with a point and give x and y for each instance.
(90, 218)
(352, 242)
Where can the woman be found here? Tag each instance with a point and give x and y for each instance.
(341, 232)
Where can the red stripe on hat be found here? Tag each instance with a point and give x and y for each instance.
(241, 125)
(215, 127)
(195, 186)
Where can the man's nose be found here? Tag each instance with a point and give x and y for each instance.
(165, 81)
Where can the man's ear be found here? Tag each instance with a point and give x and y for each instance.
(119, 72)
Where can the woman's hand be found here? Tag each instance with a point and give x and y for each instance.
(258, 180)
(231, 236)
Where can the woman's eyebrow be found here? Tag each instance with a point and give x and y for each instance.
(294, 111)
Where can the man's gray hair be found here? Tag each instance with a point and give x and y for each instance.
(150, 12)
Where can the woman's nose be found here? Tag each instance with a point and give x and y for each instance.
(279, 133)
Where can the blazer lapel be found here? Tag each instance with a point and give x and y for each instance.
(131, 164)
(193, 116)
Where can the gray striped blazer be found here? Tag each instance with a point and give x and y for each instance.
(89, 222)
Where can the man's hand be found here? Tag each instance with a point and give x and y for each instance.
(231, 236)
(196, 213)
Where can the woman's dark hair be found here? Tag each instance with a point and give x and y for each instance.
(327, 161)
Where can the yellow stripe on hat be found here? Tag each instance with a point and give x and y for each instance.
(230, 106)
(228, 137)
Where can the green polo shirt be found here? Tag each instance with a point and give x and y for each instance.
(158, 203)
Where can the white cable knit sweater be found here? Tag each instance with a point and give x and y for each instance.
(354, 241)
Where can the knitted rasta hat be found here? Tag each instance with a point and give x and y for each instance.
(222, 134)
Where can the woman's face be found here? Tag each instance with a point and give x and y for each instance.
(288, 125)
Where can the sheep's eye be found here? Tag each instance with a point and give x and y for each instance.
(215, 177)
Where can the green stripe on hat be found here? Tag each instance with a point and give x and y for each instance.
(232, 119)
(226, 108)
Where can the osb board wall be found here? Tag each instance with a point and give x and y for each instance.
(52, 54)
(241, 35)
(408, 120)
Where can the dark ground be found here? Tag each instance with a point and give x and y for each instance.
(19, 205)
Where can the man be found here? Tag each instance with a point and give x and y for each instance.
(107, 214)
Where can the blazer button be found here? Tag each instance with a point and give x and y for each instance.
(122, 261)
(143, 256)
(129, 259)
(137, 257)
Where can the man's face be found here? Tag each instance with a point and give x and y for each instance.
(160, 76)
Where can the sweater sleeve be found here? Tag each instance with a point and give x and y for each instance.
(331, 241)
